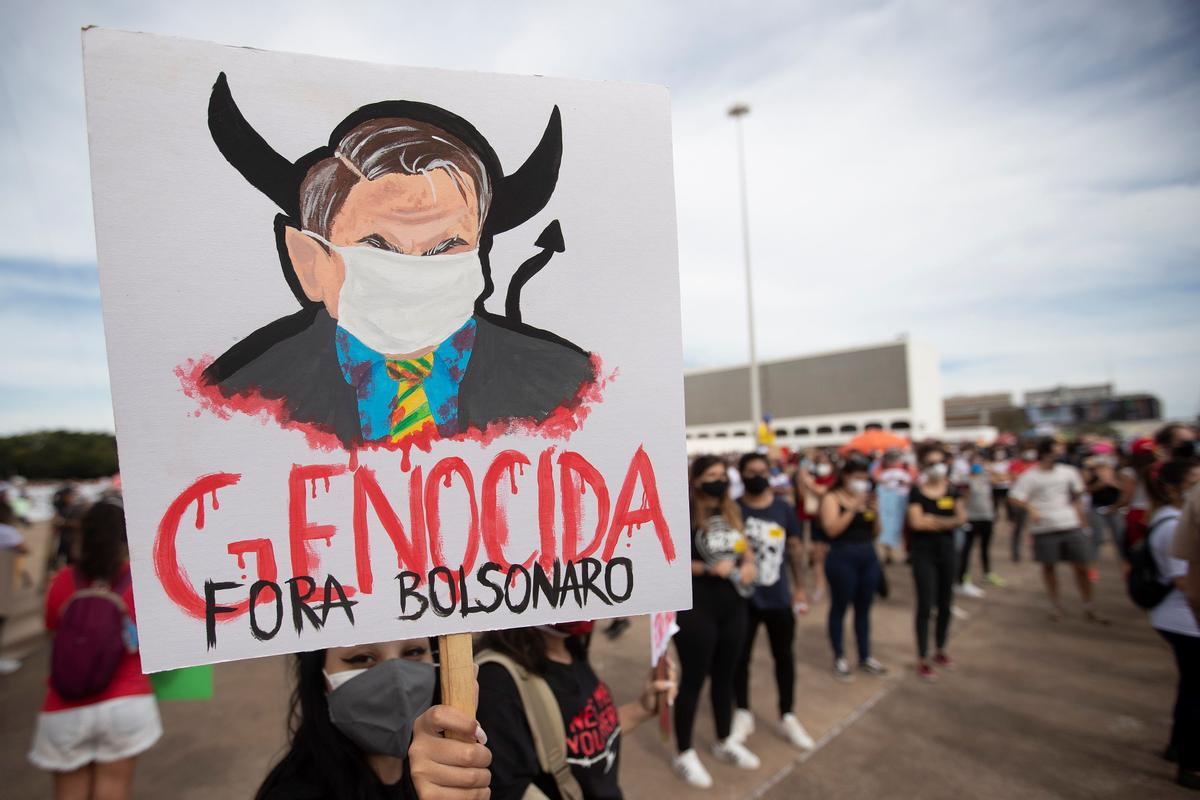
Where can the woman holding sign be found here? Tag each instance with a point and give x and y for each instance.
(556, 730)
(711, 633)
(362, 727)
(934, 511)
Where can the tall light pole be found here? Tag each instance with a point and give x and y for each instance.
(738, 111)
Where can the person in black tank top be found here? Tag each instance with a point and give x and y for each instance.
(935, 509)
(850, 519)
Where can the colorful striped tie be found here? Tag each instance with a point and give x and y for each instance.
(410, 409)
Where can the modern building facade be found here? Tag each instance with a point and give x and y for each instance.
(818, 400)
(1065, 406)
(974, 410)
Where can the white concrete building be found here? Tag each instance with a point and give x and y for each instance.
(819, 400)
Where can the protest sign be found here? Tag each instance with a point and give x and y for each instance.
(662, 628)
(394, 352)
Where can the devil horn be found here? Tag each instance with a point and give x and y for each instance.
(249, 153)
(525, 192)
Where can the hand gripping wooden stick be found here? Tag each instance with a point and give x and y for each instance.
(458, 674)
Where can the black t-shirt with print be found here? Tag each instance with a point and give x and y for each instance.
(767, 531)
(943, 506)
(593, 732)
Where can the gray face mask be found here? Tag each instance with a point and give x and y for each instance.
(376, 709)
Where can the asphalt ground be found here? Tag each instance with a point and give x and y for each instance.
(1035, 709)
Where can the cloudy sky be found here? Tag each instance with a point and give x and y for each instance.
(1016, 184)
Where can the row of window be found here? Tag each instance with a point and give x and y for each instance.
(821, 430)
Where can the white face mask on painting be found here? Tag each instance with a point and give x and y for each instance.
(398, 304)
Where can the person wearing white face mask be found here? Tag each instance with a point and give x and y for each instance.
(1051, 495)
(850, 518)
(813, 481)
(386, 243)
(1016, 511)
(935, 510)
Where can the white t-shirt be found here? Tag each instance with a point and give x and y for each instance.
(1173, 613)
(10, 537)
(1051, 492)
(1001, 471)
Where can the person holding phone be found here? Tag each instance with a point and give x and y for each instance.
(709, 641)
(850, 519)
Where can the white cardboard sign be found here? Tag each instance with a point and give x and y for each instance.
(394, 352)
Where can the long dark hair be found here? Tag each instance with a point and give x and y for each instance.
(527, 647)
(103, 549)
(319, 756)
(729, 509)
(1170, 475)
(853, 466)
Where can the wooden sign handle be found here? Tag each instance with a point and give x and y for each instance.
(457, 667)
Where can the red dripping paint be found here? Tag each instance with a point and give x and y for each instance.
(327, 486)
(199, 512)
(314, 488)
(215, 504)
(241, 561)
(558, 424)
(353, 465)
(512, 476)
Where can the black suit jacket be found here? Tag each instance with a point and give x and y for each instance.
(515, 372)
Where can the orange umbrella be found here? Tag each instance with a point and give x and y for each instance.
(875, 439)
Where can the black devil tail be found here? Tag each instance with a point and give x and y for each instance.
(551, 242)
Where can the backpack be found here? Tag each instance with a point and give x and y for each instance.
(545, 722)
(1144, 583)
(91, 638)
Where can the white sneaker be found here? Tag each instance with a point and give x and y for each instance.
(968, 589)
(791, 729)
(743, 724)
(688, 767)
(958, 613)
(735, 753)
(9, 665)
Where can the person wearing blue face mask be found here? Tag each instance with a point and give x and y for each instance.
(981, 518)
(363, 727)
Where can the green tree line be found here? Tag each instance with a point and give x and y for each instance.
(50, 455)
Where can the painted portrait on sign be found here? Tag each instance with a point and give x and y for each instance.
(384, 237)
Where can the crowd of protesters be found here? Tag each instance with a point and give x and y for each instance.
(773, 536)
(845, 516)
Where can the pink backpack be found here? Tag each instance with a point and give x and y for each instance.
(91, 639)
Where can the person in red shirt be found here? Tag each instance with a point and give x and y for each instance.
(90, 744)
